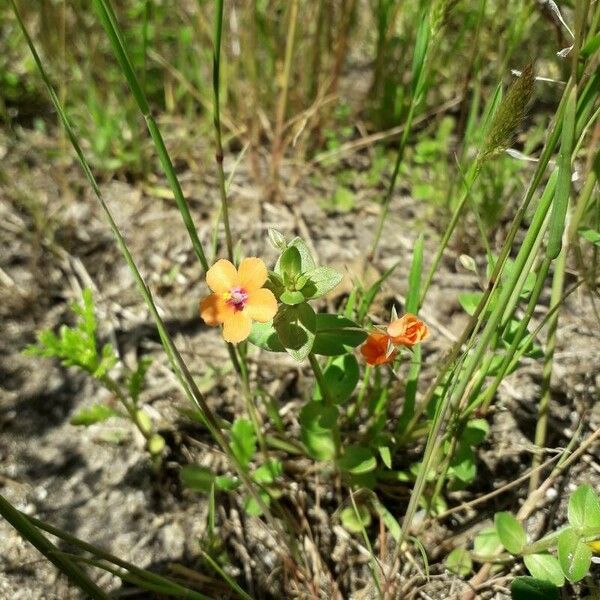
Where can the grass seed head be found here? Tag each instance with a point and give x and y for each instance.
(510, 115)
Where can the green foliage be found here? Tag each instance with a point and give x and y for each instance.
(243, 441)
(318, 423)
(590, 235)
(341, 376)
(357, 460)
(572, 542)
(95, 414)
(459, 562)
(77, 346)
(544, 566)
(584, 509)
(529, 588)
(510, 532)
(487, 544)
(355, 521)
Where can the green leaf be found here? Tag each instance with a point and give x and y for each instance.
(386, 456)
(341, 377)
(544, 566)
(197, 478)
(264, 336)
(487, 543)
(252, 507)
(243, 441)
(307, 262)
(268, 472)
(320, 281)
(469, 301)
(591, 46)
(94, 414)
(574, 555)
(584, 508)
(336, 335)
(459, 562)
(463, 465)
(296, 327)
(226, 483)
(390, 521)
(510, 531)
(318, 422)
(354, 522)
(135, 381)
(475, 432)
(290, 263)
(529, 588)
(292, 297)
(357, 460)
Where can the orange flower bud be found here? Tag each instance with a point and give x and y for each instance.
(375, 350)
(407, 331)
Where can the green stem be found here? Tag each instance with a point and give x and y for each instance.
(362, 396)
(22, 524)
(217, 124)
(392, 185)
(283, 94)
(109, 22)
(326, 395)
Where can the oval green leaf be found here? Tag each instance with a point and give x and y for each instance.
(510, 531)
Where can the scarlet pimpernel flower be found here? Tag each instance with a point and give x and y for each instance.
(238, 299)
(377, 350)
(381, 347)
(407, 331)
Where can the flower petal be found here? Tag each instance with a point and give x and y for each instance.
(261, 305)
(375, 350)
(222, 276)
(236, 327)
(252, 274)
(214, 310)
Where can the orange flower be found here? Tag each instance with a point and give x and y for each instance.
(239, 298)
(408, 330)
(375, 350)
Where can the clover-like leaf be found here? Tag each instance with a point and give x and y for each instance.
(584, 508)
(574, 555)
(510, 531)
(459, 562)
(530, 588)
(545, 566)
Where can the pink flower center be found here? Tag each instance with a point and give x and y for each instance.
(237, 298)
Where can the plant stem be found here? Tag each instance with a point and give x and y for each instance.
(104, 555)
(65, 565)
(326, 395)
(283, 94)
(217, 125)
(107, 16)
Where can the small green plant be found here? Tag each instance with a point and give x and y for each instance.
(559, 556)
(78, 346)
